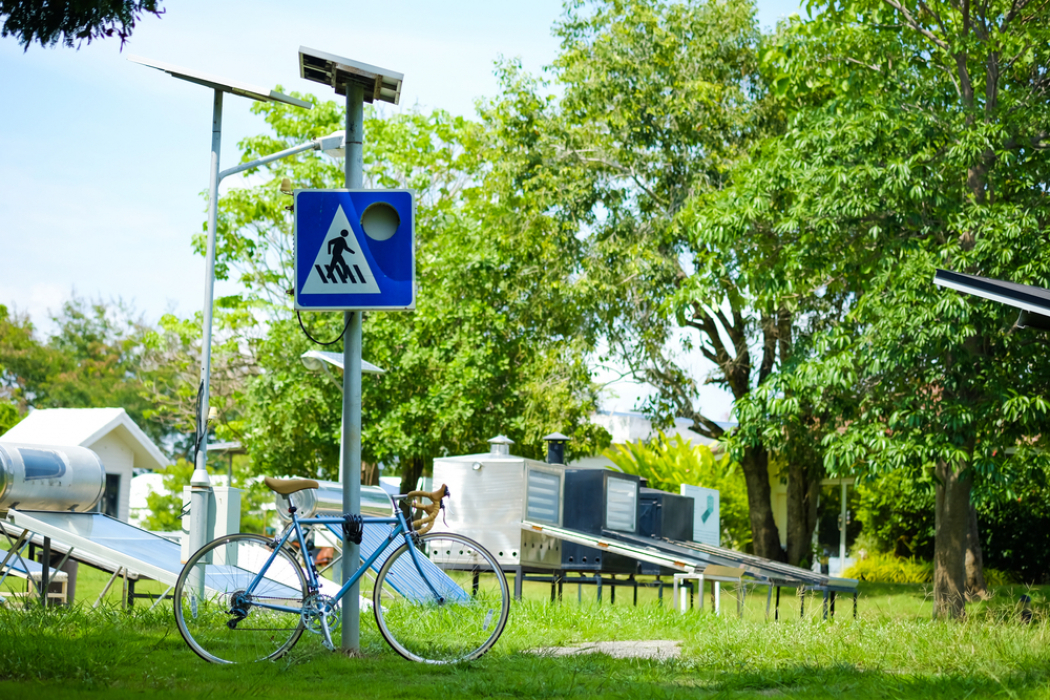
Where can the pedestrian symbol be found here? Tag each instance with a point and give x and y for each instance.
(340, 266)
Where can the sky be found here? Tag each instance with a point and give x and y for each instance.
(103, 161)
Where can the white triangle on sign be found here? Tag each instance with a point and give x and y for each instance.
(340, 266)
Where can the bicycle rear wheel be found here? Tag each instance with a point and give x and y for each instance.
(452, 610)
(221, 619)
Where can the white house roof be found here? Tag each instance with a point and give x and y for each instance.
(84, 427)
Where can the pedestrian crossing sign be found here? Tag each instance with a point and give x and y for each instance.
(354, 250)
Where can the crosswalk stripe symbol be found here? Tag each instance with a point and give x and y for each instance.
(338, 259)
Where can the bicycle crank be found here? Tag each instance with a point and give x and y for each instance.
(321, 616)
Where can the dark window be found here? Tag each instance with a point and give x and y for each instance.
(111, 496)
(42, 464)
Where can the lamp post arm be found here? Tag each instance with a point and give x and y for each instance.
(310, 146)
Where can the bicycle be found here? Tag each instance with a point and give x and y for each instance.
(245, 597)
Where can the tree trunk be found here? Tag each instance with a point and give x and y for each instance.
(950, 543)
(802, 494)
(370, 473)
(411, 470)
(976, 587)
(764, 534)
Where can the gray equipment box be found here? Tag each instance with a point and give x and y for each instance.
(663, 515)
(489, 500)
(588, 500)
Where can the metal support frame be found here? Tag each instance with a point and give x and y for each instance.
(16, 552)
(717, 575)
(109, 584)
(558, 578)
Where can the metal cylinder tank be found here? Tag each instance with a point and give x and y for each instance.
(327, 499)
(48, 477)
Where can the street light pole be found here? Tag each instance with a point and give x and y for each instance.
(351, 424)
(200, 483)
(201, 473)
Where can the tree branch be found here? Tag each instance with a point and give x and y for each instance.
(915, 25)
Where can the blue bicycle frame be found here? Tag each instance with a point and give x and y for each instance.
(402, 530)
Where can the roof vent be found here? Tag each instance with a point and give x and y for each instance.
(500, 445)
(556, 448)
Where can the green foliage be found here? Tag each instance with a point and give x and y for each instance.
(998, 577)
(897, 514)
(657, 104)
(911, 144)
(1012, 533)
(887, 568)
(72, 21)
(99, 357)
(667, 463)
(175, 347)
(497, 343)
(165, 508)
(8, 417)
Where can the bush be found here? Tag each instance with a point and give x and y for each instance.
(897, 514)
(886, 568)
(666, 463)
(1013, 535)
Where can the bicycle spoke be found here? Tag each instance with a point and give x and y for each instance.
(216, 606)
(420, 627)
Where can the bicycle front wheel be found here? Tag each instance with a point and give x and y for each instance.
(224, 617)
(452, 607)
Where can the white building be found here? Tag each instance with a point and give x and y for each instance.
(626, 427)
(114, 437)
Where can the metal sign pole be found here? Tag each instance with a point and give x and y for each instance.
(351, 437)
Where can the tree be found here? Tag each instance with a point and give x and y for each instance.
(660, 100)
(918, 141)
(496, 343)
(99, 357)
(72, 21)
(25, 362)
(175, 349)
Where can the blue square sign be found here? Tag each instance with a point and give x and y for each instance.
(354, 250)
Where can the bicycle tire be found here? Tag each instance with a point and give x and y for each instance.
(207, 594)
(464, 623)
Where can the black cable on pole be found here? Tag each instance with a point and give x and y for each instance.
(201, 423)
(339, 337)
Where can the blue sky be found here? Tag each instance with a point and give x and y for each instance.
(103, 160)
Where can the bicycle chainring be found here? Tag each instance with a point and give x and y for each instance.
(317, 606)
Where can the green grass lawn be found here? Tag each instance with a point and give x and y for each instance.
(892, 650)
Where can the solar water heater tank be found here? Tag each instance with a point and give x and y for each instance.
(46, 477)
(327, 499)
